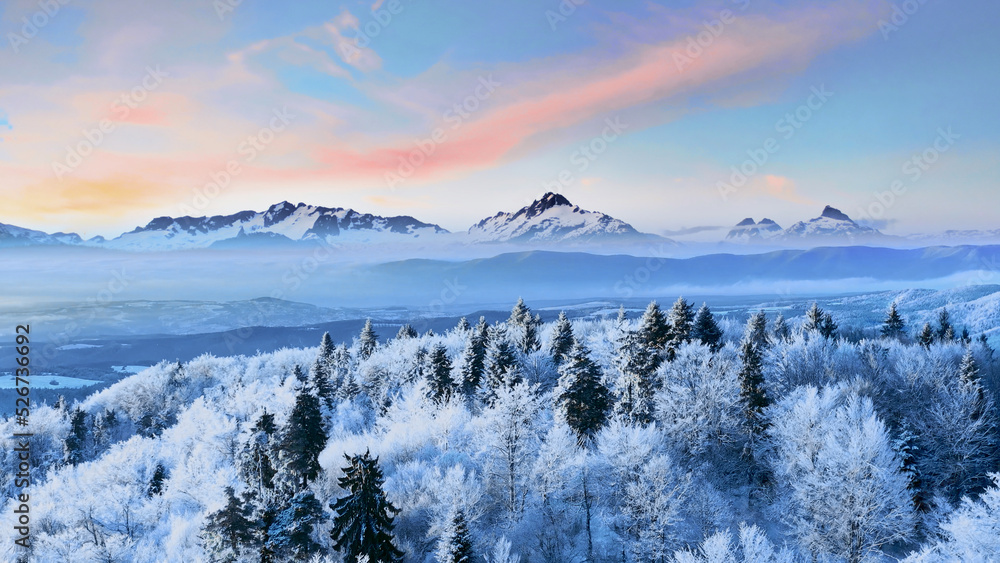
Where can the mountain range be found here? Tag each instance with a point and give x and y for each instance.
(548, 221)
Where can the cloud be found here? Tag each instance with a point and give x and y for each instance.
(752, 48)
(114, 197)
(780, 187)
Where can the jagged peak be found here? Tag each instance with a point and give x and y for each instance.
(748, 222)
(831, 212)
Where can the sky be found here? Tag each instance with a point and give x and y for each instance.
(668, 115)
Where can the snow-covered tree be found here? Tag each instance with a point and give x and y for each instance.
(706, 330)
(302, 440)
(474, 357)
(846, 494)
(926, 336)
(509, 438)
(562, 338)
(368, 341)
(455, 545)
(753, 547)
(439, 380)
(290, 535)
(229, 530)
(894, 326)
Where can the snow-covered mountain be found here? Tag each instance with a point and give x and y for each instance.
(832, 225)
(552, 219)
(18, 236)
(283, 222)
(749, 230)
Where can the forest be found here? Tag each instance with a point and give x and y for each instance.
(674, 436)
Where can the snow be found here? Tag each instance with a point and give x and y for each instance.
(550, 219)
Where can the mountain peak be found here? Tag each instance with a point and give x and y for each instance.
(748, 222)
(833, 213)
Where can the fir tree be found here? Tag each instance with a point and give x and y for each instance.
(829, 327)
(580, 396)
(562, 338)
(781, 331)
(926, 337)
(303, 439)
(653, 328)
(622, 317)
(968, 371)
(637, 365)
(256, 466)
(894, 325)
(706, 330)
(814, 319)
(526, 327)
(463, 326)
(231, 527)
(368, 341)
(364, 518)
(474, 358)
(681, 320)
(420, 368)
(405, 332)
(906, 446)
(756, 330)
(290, 534)
(501, 361)
(320, 379)
(155, 487)
(76, 441)
(945, 332)
(439, 379)
(455, 545)
(299, 375)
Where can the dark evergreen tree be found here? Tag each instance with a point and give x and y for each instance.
(231, 527)
(525, 327)
(754, 397)
(681, 321)
(637, 365)
(363, 521)
(303, 439)
(706, 330)
(300, 375)
(455, 545)
(653, 328)
(290, 534)
(814, 319)
(945, 332)
(463, 325)
(926, 337)
(756, 331)
(562, 338)
(439, 379)
(320, 379)
(580, 396)
(368, 341)
(76, 442)
(405, 332)
(968, 371)
(622, 317)
(474, 358)
(894, 325)
(501, 361)
(155, 487)
(781, 332)
(908, 450)
(420, 367)
(829, 327)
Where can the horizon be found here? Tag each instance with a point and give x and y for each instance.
(625, 110)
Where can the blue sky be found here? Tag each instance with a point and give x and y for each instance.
(366, 88)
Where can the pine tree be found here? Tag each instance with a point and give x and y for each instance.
(463, 326)
(756, 331)
(829, 327)
(256, 466)
(368, 341)
(653, 328)
(636, 386)
(562, 338)
(945, 332)
(290, 534)
(439, 379)
(907, 449)
(230, 527)
(894, 325)
(405, 332)
(364, 518)
(455, 545)
(580, 396)
(474, 358)
(75, 443)
(926, 337)
(706, 330)
(420, 367)
(303, 439)
(622, 317)
(501, 362)
(680, 319)
(968, 371)
(753, 394)
(781, 331)
(320, 379)
(155, 487)
(814, 319)
(526, 327)
(300, 375)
